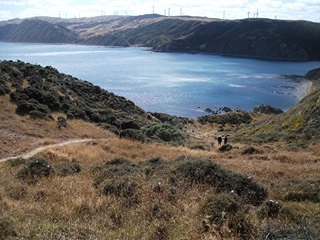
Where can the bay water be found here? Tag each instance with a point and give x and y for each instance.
(175, 83)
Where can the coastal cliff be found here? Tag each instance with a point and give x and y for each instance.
(258, 38)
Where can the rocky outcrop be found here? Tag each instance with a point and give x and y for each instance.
(314, 76)
(267, 109)
(235, 117)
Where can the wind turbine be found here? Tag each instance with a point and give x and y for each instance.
(257, 14)
(249, 13)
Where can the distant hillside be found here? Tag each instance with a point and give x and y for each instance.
(37, 31)
(262, 38)
(265, 38)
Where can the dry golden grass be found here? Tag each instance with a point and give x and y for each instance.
(71, 208)
(22, 134)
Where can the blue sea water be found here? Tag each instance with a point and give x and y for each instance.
(174, 83)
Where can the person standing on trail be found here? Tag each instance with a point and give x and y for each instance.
(225, 139)
(219, 140)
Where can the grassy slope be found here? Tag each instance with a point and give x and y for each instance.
(71, 207)
(299, 125)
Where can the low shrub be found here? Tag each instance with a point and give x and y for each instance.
(225, 148)
(200, 146)
(38, 110)
(16, 162)
(187, 171)
(4, 89)
(7, 230)
(37, 114)
(133, 134)
(165, 132)
(68, 168)
(118, 177)
(303, 231)
(202, 171)
(16, 192)
(218, 207)
(34, 169)
(120, 187)
(158, 230)
(130, 125)
(270, 209)
(302, 190)
(250, 150)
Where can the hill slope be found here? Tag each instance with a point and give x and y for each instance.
(42, 91)
(37, 31)
(301, 123)
(263, 38)
(133, 189)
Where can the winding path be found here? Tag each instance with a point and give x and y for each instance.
(40, 149)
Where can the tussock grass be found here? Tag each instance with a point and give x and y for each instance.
(162, 203)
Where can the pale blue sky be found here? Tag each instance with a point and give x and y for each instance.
(230, 9)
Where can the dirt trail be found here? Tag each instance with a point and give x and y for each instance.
(40, 149)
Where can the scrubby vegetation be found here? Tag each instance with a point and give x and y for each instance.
(263, 184)
(40, 92)
(153, 192)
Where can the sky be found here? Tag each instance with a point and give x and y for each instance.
(228, 9)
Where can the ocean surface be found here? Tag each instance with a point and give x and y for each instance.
(174, 83)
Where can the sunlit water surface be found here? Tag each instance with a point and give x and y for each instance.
(178, 84)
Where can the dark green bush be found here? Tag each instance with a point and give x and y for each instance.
(34, 169)
(120, 187)
(25, 107)
(165, 132)
(250, 150)
(7, 230)
(184, 171)
(16, 162)
(37, 114)
(116, 168)
(68, 168)
(225, 148)
(133, 134)
(303, 231)
(129, 125)
(4, 89)
(201, 171)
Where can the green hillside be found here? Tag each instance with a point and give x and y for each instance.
(299, 124)
(41, 91)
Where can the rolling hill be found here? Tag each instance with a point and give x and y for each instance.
(260, 38)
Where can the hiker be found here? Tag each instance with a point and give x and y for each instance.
(219, 140)
(225, 139)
